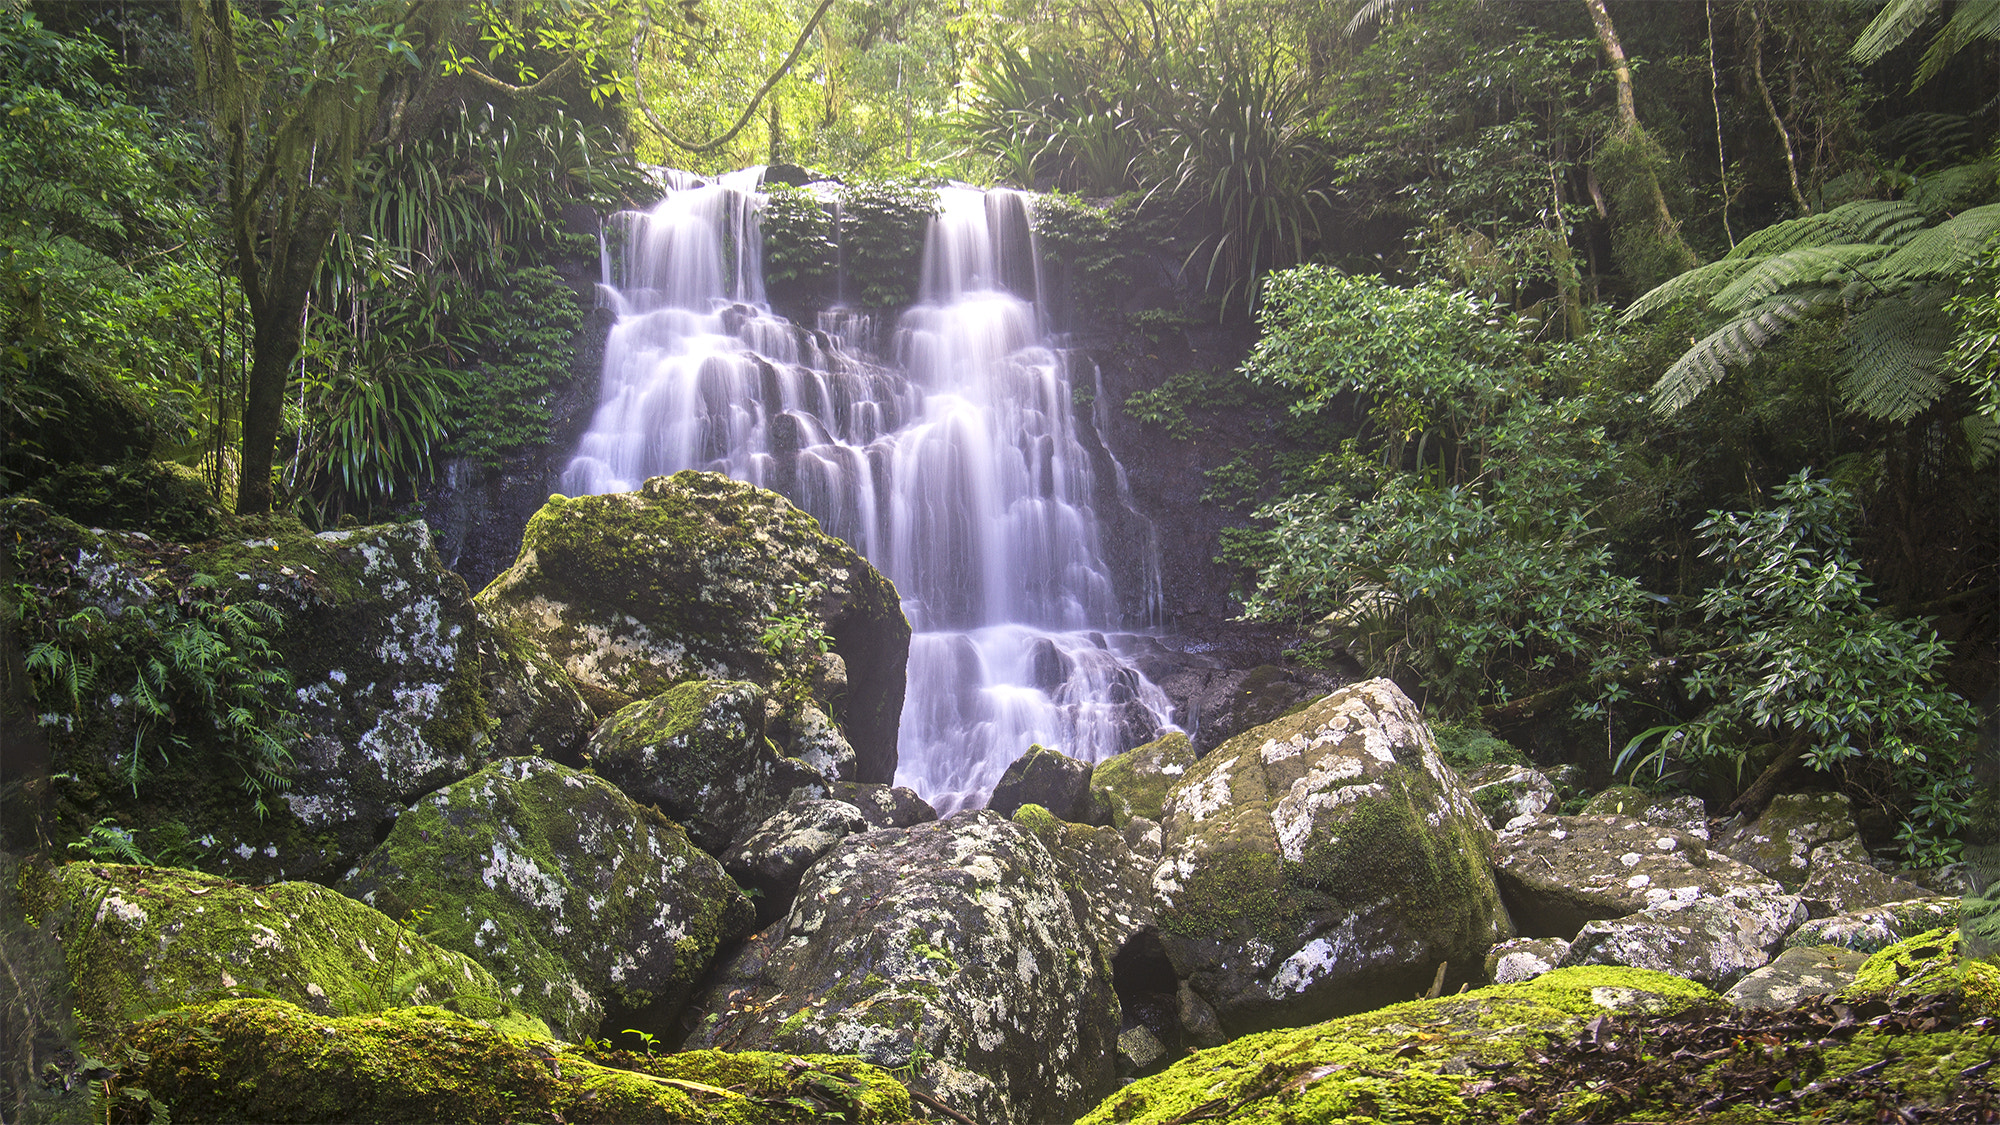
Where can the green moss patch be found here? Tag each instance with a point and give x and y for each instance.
(1136, 782)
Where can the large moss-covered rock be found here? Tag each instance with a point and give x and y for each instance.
(1135, 783)
(1795, 975)
(1053, 780)
(1415, 1061)
(1325, 862)
(266, 1060)
(1878, 927)
(1794, 827)
(698, 752)
(1560, 872)
(143, 940)
(534, 706)
(685, 578)
(951, 947)
(771, 860)
(577, 898)
(1838, 886)
(386, 696)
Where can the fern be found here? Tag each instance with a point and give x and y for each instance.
(1733, 345)
(1955, 188)
(1896, 22)
(1948, 248)
(1982, 438)
(1800, 266)
(1892, 373)
(1699, 283)
(1876, 220)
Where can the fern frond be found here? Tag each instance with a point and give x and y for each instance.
(1895, 345)
(1982, 438)
(1699, 283)
(1947, 248)
(1923, 139)
(1780, 237)
(1896, 22)
(1733, 345)
(1955, 188)
(1974, 20)
(1803, 265)
(1889, 222)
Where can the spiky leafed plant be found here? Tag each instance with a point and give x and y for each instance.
(1052, 119)
(1885, 267)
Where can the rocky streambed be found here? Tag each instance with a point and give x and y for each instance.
(615, 840)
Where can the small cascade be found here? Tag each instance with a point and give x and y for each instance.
(953, 464)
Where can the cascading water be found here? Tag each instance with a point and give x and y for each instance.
(954, 466)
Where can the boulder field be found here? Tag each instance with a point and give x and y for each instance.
(637, 790)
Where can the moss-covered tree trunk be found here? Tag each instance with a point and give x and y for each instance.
(1629, 162)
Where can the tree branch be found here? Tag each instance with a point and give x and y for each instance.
(749, 111)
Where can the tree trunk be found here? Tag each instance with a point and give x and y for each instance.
(1644, 230)
(278, 309)
(1752, 800)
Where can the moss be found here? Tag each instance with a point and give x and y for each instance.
(164, 500)
(141, 940)
(217, 1061)
(1388, 838)
(1401, 1063)
(1038, 820)
(1238, 889)
(1927, 964)
(1136, 782)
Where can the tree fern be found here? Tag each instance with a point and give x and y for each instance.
(1699, 283)
(1733, 345)
(1955, 188)
(1948, 248)
(1893, 364)
(1799, 266)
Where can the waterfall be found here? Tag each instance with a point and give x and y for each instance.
(953, 463)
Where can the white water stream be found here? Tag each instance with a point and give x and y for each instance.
(952, 463)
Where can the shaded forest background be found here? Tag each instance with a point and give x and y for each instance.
(1626, 376)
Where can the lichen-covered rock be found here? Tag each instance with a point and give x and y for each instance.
(1325, 862)
(576, 897)
(143, 940)
(535, 708)
(1523, 959)
(805, 732)
(773, 858)
(1683, 813)
(1559, 872)
(1053, 780)
(1877, 928)
(1838, 886)
(265, 1060)
(1796, 974)
(698, 752)
(685, 579)
(386, 698)
(1781, 842)
(1504, 792)
(1705, 940)
(1426, 1060)
(1110, 885)
(951, 946)
(882, 806)
(1135, 783)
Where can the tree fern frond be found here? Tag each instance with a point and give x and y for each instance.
(1895, 345)
(1384, 10)
(1699, 283)
(1896, 22)
(1982, 438)
(1803, 265)
(1890, 222)
(1733, 345)
(1974, 20)
(1949, 247)
(1780, 237)
(1955, 188)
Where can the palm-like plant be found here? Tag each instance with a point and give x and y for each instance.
(1885, 267)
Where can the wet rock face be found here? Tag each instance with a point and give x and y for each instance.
(144, 940)
(577, 898)
(956, 936)
(699, 576)
(1324, 863)
(1560, 872)
(1053, 780)
(698, 752)
(387, 691)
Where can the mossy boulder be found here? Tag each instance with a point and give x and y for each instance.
(142, 940)
(1680, 812)
(1792, 829)
(698, 752)
(1929, 964)
(1135, 783)
(1053, 780)
(535, 708)
(1878, 927)
(1836, 885)
(1560, 872)
(165, 500)
(773, 859)
(385, 701)
(1504, 791)
(689, 578)
(1326, 862)
(578, 899)
(1795, 974)
(1416, 1061)
(951, 947)
(266, 1060)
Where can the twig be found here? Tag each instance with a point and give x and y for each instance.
(932, 1101)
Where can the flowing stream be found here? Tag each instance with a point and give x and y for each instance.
(953, 462)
